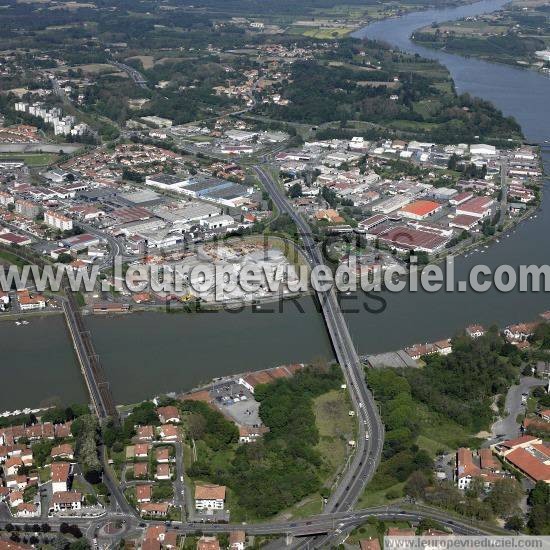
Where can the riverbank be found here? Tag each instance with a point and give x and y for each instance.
(518, 34)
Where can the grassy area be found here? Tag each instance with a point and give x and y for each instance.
(370, 530)
(310, 506)
(11, 258)
(438, 432)
(31, 159)
(410, 125)
(382, 497)
(328, 33)
(80, 300)
(335, 427)
(44, 474)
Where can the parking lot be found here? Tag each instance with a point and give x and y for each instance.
(235, 400)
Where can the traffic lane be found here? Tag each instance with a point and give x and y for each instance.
(344, 348)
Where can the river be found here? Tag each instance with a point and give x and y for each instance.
(148, 353)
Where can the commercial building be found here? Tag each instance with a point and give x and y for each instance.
(405, 238)
(80, 242)
(479, 207)
(371, 222)
(218, 222)
(10, 238)
(419, 210)
(167, 182)
(528, 454)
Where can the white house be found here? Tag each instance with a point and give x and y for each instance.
(66, 501)
(27, 510)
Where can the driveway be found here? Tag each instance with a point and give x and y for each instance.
(508, 427)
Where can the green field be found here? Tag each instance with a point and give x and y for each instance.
(328, 33)
(31, 159)
(10, 258)
(335, 427)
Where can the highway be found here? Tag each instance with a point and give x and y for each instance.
(134, 74)
(324, 523)
(370, 432)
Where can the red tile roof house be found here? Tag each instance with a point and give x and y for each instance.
(520, 332)
(169, 415)
(18, 483)
(237, 540)
(169, 432)
(157, 509)
(12, 465)
(26, 457)
(155, 532)
(528, 454)
(145, 433)
(416, 351)
(63, 451)
(140, 469)
(162, 455)
(15, 498)
(63, 430)
(170, 540)
(488, 470)
(475, 331)
(208, 543)
(60, 472)
(248, 434)
(143, 493)
(209, 497)
(163, 471)
(27, 510)
(141, 450)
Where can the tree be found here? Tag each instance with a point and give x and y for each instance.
(504, 496)
(539, 516)
(196, 425)
(295, 191)
(86, 431)
(514, 523)
(416, 484)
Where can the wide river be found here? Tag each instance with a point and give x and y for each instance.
(145, 354)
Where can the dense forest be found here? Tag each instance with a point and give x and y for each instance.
(510, 44)
(451, 394)
(320, 92)
(461, 384)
